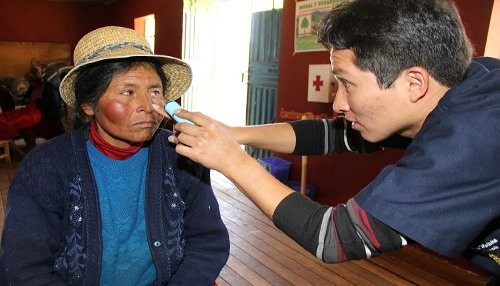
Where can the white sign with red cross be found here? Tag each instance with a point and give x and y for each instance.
(319, 85)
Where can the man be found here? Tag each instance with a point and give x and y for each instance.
(404, 68)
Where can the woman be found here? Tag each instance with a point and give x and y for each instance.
(111, 203)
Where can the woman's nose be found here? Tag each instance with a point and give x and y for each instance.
(145, 102)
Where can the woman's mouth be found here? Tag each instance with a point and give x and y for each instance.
(146, 124)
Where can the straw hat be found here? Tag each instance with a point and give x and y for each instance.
(114, 42)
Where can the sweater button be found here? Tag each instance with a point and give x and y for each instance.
(157, 243)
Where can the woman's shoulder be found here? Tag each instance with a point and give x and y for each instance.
(54, 144)
(58, 148)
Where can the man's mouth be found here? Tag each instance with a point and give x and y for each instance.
(354, 124)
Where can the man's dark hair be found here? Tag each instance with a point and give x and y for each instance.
(388, 36)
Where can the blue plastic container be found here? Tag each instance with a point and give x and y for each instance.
(310, 189)
(278, 167)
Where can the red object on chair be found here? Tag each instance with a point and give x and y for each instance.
(22, 118)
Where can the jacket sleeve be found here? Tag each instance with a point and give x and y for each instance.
(206, 237)
(330, 136)
(32, 227)
(334, 234)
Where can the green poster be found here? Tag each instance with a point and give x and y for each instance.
(308, 14)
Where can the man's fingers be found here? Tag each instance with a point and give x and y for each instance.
(159, 109)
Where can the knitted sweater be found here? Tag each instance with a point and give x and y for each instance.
(122, 188)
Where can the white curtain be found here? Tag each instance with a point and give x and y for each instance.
(215, 43)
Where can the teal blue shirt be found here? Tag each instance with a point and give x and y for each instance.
(126, 258)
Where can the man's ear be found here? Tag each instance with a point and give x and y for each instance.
(87, 109)
(418, 79)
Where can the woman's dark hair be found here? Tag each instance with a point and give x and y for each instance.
(93, 80)
(388, 36)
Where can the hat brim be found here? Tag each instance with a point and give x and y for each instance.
(178, 72)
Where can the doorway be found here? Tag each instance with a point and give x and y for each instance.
(216, 43)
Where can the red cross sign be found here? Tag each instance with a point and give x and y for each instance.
(318, 83)
(319, 86)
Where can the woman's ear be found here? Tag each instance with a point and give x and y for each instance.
(87, 109)
(418, 79)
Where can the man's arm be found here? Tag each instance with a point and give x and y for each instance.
(334, 234)
(309, 137)
(331, 136)
(276, 137)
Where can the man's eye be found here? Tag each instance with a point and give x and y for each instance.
(342, 81)
(345, 83)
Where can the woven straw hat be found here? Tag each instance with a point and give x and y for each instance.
(114, 42)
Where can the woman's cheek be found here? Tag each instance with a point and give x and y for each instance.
(116, 111)
(158, 118)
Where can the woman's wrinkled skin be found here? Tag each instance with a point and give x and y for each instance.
(124, 113)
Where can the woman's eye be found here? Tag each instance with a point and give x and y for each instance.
(156, 93)
(127, 92)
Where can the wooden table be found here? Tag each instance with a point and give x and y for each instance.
(261, 254)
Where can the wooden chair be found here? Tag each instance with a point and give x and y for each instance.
(4, 145)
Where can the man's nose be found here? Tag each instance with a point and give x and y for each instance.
(340, 104)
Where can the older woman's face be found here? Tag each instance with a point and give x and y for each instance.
(124, 114)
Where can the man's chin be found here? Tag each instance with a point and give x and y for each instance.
(372, 138)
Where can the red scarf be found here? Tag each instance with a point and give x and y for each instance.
(109, 150)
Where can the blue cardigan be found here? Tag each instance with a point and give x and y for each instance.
(52, 231)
